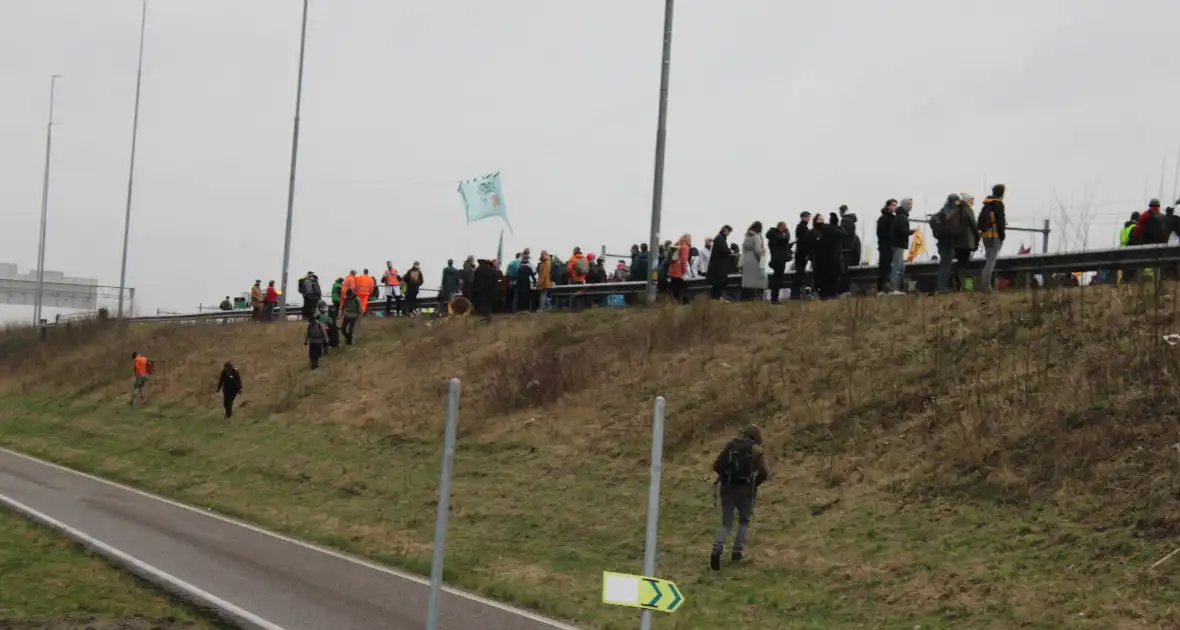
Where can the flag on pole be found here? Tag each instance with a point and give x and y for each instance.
(500, 247)
(917, 248)
(1025, 251)
(484, 199)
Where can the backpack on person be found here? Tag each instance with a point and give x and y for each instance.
(151, 366)
(674, 255)
(738, 466)
(986, 218)
(954, 224)
(582, 266)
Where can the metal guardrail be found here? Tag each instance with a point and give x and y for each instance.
(1122, 258)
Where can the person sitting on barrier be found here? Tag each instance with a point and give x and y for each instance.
(741, 468)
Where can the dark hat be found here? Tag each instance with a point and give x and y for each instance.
(998, 190)
(1155, 203)
(805, 215)
(843, 208)
(754, 432)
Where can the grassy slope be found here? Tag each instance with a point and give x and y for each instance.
(45, 579)
(958, 462)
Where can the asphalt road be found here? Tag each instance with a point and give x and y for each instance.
(291, 585)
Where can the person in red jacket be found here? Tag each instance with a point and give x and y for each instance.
(272, 300)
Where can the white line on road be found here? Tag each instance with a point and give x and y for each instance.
(161, 578)
(295, 541)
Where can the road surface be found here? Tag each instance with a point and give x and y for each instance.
(264, 581)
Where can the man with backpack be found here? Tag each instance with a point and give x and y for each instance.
(993, 223)
(741, 468)
(958, 235)
(413, 281)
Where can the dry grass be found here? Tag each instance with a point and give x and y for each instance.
(955, 462)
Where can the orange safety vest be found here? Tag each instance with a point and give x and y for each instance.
(349, 285)
(365, 285)
(390, 277)
(141, 366)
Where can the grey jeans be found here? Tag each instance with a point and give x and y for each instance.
(739, 499)
(897, 272)
(991, 247)
(137, 387)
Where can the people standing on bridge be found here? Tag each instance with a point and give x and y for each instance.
(544, 279)
(413, 283)
(900, 242)
(851, 251)
(256, 300)
(826, 251)
(271, 301)
(741, 468)
(484, 289)
(449, 287)
(884, 248)
(993, 225)
(578, 267)
(468, 288)
(393, 290)
(309, 287)
(226, 304)
(230, 385)
(526, 282)
(753, 260)
(352, 313)
(803, 244)
(720, 264)
(364, 286)
(1152, 228)
(143, 370)
(778, 241)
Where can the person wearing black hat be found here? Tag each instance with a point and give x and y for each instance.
(802, 252)
(778, 241)
(230, 385)
(412, 281)
(720, 263)
(884, 247)
(1152, 228)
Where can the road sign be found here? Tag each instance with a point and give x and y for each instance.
(638, 591)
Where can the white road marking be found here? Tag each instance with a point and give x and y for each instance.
(295, 541)
(145, 570)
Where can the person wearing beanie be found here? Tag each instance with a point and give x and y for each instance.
(993, 225)
(802, 252)
(741, 468)
(884, 248)
(1152, 228)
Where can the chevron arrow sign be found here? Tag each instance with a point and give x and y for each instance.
(639, 591)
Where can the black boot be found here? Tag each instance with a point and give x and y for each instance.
(715, 561)
(735, 557)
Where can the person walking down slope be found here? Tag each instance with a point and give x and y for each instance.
(230, 385)
(719, 263)
(309, 288)
(316, 340)
(741, 468)
(337, 298)
(352, 312)
(143, 370)
(449, 287)
(753, 263)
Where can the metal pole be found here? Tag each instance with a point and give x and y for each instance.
(444, 505)
(657, 189)
(131, 169)
(653, 500)
(44, 207)
(1045, 238)
(294, 161)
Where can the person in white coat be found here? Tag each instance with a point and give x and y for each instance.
(754, 281)
(700, 264)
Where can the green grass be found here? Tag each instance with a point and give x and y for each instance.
(45, 579)
(535, 524)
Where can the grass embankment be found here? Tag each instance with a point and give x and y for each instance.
(47, 582)
(960, 462)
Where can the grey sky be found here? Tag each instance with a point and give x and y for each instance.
(776, 107)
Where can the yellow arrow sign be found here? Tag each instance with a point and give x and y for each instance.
(638, 591)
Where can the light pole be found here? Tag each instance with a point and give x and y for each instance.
(657, 189)
(294, 161)
(131, 170)
(44, 207)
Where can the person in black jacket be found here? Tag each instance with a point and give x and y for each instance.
(851, 249)
(899, 241)
(827, 262)
(484, 288)
(778, 241)
(720, 263)
(230, 385)
(802, 251)
(449, 286)
(884, 249)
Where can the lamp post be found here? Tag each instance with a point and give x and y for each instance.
(131, 170)
(657, 189)
(294, 161)
(44, 206)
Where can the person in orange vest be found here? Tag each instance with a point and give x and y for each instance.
(393, 289)
(143, 369)
(349, 283)
(578, 267)
(365, 285)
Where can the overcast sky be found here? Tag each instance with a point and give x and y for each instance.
(776, 106)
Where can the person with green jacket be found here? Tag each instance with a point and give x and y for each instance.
(337, 287)
(352, 313)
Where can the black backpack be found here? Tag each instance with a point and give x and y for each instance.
(738, 465)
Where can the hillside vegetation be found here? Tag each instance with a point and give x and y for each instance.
(952, 462)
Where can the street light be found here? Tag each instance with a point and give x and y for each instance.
(294, 161)
(131, 171)
(44, 206)
(657, 189)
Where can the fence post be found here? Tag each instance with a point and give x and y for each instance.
(653, 500)
(444, 505)
(1045, 238)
